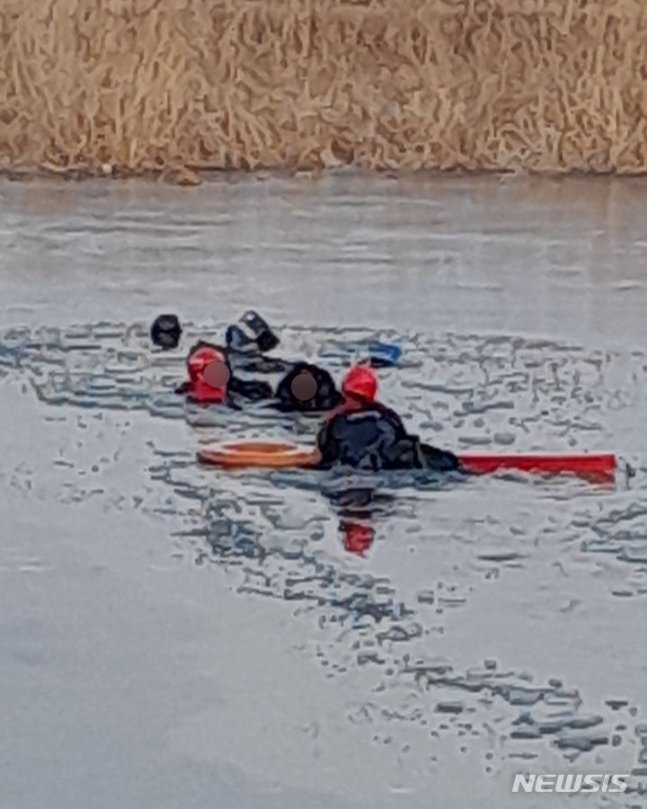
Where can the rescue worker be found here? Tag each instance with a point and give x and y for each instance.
(166, 331)
(211, 380)
(305, 387)
(247, 343)
(364, 434)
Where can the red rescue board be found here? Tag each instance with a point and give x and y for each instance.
(602, 465)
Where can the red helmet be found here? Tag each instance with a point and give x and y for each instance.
(360, 383)
(200, 358)
(209, 374)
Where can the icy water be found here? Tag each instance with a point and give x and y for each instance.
(173, 636)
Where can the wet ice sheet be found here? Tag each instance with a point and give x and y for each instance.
(492, 626)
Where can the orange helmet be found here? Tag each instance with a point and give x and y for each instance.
(360, 383)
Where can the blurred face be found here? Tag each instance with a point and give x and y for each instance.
(304, 386)
(207, 366)
(216, 374)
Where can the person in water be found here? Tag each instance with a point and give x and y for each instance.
(307, 388)
(246, 343)
(166, 331)
(304, 388)
(211, 380)
(364, 434)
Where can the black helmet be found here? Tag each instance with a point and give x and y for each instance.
(166, 331)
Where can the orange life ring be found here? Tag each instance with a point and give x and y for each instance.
(267, 454)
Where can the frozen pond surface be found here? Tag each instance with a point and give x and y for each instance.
(171, 636)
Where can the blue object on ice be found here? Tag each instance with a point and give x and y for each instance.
(384, 354)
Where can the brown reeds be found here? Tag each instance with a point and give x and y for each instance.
(94, 86)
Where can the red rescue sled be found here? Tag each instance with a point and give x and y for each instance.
(598, 466)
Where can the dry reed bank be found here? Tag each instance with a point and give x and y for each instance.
(140, 85)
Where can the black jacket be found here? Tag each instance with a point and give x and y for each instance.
(374, 438)
(325, 395)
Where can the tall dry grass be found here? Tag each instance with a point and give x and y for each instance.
(139, 85)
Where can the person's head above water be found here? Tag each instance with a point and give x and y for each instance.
(360, 383)
(208, 373)
(166, 331)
